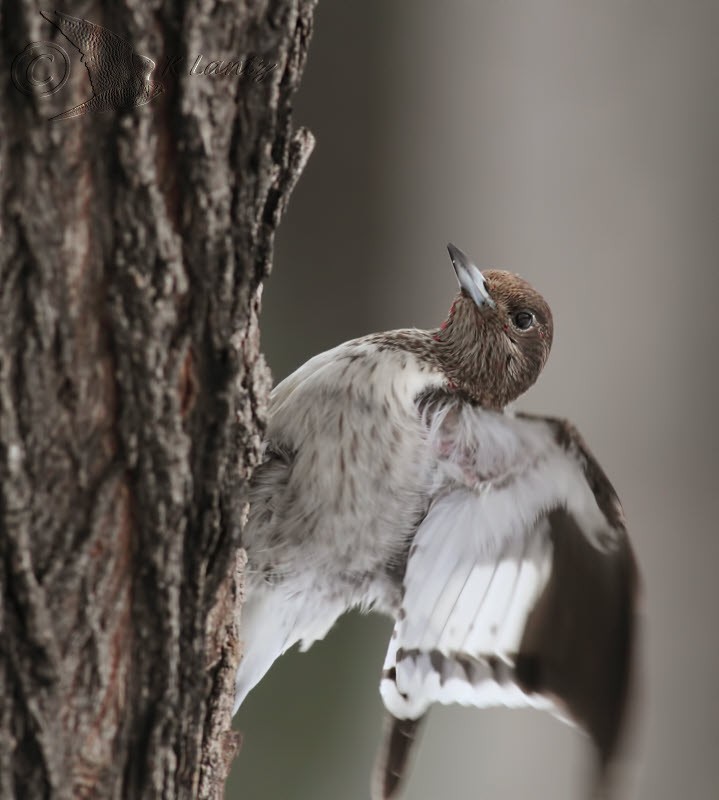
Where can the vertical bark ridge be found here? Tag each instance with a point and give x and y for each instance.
(133, 245)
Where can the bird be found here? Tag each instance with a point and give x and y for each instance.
(120, 77)
(397, 477)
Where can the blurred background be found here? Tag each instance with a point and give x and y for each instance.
(578, 145)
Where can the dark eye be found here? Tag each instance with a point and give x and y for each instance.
(523, 320)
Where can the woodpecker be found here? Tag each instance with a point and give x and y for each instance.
(395, 479)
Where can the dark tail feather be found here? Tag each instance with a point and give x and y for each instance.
(391, 766)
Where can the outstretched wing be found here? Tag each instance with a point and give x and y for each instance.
(519, 587)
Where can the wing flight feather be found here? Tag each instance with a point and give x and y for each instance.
(520, 584)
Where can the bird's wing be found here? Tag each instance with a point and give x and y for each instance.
(354, 373)
(307, 372)
(520, 584)
(107, 57)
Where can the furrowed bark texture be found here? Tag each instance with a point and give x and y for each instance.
(133, 244)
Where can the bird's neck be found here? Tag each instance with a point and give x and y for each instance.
(472, 365)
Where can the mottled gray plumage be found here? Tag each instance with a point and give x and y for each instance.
(395, 479)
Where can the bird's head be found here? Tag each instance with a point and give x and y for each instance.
(497, 336)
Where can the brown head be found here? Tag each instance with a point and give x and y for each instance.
(497, 336)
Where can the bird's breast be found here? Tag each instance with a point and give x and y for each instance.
(340, 503)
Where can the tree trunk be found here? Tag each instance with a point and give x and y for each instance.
(133, 244)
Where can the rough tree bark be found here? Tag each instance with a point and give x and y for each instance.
(133, 245)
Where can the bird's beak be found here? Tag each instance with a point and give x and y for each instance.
(470, 278)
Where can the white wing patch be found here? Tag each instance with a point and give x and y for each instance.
(519, 588)
(479, 562)
(464, 612)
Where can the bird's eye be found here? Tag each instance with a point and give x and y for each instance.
(523, 320)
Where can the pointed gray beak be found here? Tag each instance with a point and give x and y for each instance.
(470, 278)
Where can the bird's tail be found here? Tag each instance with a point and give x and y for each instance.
(267, 623)
(392, 763)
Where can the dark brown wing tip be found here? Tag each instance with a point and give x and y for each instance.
(393, 756)
(579, 645)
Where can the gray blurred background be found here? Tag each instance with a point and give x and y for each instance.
(578, 145)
